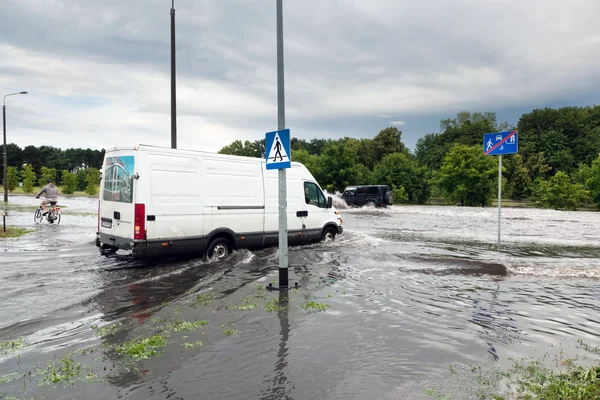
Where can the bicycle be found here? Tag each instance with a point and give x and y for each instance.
(52, 216)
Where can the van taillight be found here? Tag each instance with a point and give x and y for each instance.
(98, 215)
(139, 222)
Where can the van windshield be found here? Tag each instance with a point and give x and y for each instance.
(118, 179)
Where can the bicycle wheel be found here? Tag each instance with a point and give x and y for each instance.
(37, 216)
(57, 218)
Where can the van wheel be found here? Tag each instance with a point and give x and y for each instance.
(328, 235)
(219, 249)
(107, 250)
(371, 203)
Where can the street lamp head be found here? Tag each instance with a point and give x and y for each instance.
(23, 93)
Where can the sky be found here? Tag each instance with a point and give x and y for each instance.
(98, 72)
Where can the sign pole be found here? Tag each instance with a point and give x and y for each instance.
(283, 237)
(499, 195)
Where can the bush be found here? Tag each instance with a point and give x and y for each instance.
(13, 178)
(560, 193)
(92, 179)
(28, 179)
(46, 174)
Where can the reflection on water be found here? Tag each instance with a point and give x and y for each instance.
(410, 291)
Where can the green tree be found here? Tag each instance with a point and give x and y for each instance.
(93, 179)
(387, 141)
(467, 176)
(29, 178)
(559, 193)
(81, 179)
(592, 180)
(401, 170)
(338, 166)
(69, 182)
(46, 174)
(246, 149)
(13, 178)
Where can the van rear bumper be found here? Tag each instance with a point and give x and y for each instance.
(153, 248)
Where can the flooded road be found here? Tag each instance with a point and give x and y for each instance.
(390, 310)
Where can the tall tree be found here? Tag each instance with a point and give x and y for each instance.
(467, 176)
(400, 170)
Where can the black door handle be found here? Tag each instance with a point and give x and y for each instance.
(301, 214)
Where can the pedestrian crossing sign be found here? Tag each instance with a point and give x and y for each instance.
(278, 149)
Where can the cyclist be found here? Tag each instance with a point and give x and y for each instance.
(50, 194)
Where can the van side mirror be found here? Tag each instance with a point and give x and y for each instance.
(329, 202)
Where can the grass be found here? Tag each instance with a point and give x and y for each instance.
(313, 306)
(66, 370)
(186, 326)
(141, 349)
(559, 378)
(13, 232)
(11, 346)
(273, 305)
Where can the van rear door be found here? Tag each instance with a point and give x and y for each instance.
(116, 201)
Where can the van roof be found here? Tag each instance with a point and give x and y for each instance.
(146, 147)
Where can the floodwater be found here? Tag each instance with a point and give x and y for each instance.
(403, 298)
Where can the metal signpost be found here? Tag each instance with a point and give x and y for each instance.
(498, 144)
(276, 144)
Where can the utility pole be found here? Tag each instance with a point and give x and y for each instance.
(173, 94)
(283, 234)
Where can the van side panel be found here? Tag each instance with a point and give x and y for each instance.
(174, 197)
(234, 200)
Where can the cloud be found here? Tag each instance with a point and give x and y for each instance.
(398, 123)
(99, 72)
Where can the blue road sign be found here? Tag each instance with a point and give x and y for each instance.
(500, 143)
(278, 149)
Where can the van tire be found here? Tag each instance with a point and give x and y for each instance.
(328, 234)
(220, 248)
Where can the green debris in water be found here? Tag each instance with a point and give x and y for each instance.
(205, 299)
(192, 345)
(107, 330)
(244, 305)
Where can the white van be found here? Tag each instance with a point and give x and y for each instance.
(157, 201)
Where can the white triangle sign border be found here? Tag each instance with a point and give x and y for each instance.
(273, 151)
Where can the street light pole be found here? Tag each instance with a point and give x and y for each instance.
(5, 157)
(173, 96)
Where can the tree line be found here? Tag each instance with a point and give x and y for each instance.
(558, 164)
(73, 169)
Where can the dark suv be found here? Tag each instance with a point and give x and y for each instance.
(376, 195)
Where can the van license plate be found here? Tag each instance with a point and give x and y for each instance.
(106, 224)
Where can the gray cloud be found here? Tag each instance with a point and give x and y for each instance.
(98, 72)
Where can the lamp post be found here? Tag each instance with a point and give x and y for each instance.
(5, 164)
(173, 96)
